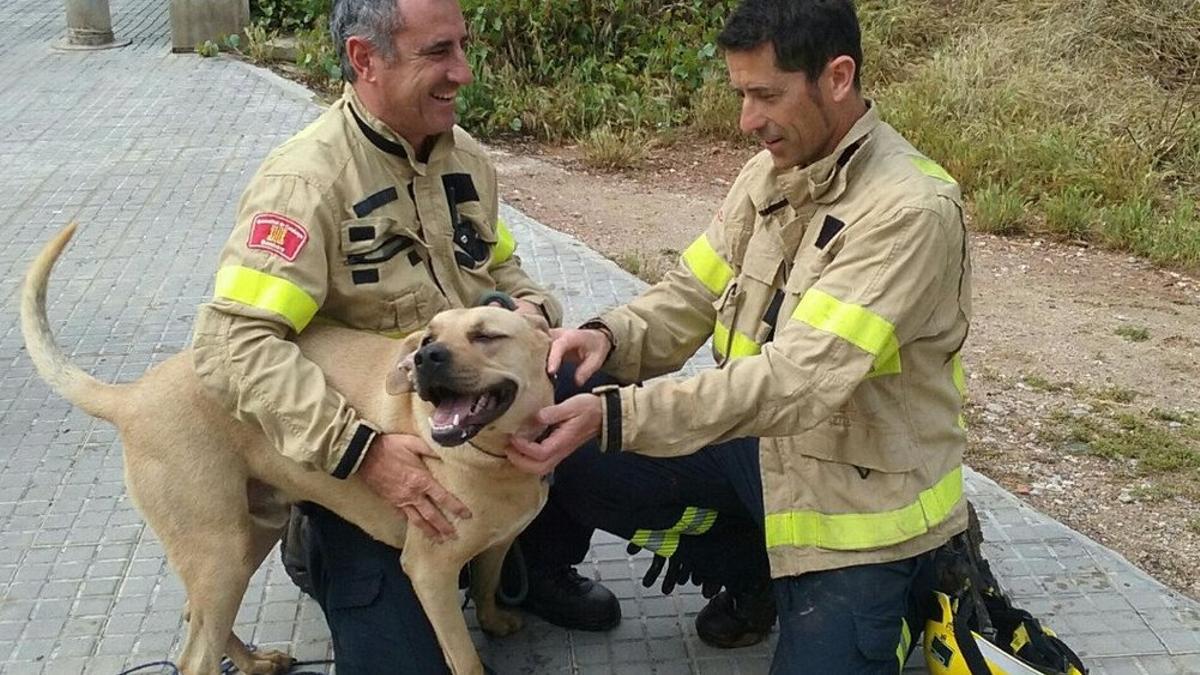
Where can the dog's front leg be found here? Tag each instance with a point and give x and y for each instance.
(433, 569)
(485, 579)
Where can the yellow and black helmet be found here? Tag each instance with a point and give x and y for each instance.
(951, 648)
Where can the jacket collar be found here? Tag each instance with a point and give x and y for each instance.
(825, 180)
(380, 135)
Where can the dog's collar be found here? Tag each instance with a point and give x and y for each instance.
(489, 454)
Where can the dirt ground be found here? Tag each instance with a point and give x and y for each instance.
(1064, 338)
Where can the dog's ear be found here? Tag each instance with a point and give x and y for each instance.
(399, 378)
(537, 321)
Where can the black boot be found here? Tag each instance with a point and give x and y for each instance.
(566, 599)
(741, 619)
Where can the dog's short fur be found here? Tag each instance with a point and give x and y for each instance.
(216, 492)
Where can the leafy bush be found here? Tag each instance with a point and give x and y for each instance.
(1075, 117)
(290, 15)
(558, 69)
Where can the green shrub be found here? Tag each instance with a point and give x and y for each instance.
(290, 15)
(557, 69)
(999, 210)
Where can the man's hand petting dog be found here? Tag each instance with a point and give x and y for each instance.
(394, 468)
(575, 421)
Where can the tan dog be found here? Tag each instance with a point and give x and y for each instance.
(216, 492)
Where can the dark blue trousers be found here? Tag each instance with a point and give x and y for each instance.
(860, 619)
(850, 620)
(375, 618)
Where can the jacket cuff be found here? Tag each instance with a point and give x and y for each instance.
(610, 420)
(356, 450)
(540, 302)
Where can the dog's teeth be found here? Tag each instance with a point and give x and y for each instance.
(455, 422)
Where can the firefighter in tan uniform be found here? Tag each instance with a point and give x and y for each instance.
(377, 216)
(834, 284)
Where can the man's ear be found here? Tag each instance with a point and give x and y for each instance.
(359, 52)
(839, 78)
(399, 378)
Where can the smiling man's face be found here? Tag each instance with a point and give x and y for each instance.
(420, 86)
(784, 109)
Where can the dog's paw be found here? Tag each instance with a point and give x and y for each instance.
(264, 662)
(499, 622)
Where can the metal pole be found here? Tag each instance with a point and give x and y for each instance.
(89, 25)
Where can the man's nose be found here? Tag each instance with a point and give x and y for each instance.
(750, 120)
(460, 73)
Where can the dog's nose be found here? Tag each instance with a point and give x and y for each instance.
(431, 357)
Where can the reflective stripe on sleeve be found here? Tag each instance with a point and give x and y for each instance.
(960, 383)
(855, 324)
(860, 531)
(932, 169)
(274, 294)
(707, 265)
(741, 345)
(505, 246)
(695, 520)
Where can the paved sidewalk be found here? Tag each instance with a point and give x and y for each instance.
(149, 152)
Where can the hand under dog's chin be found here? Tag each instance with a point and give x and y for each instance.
(531, 431)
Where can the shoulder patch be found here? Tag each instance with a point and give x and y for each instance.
(278, 235)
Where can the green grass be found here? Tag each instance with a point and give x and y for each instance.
(1133, 333)
(1157, 449)
(1039, 383)
(1064, 118)
(604, 148)
(1115, 393)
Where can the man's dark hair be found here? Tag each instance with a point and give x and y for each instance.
(807, 34)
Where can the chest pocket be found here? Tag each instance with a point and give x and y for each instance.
(812, 259)
(473, 239)
(742, 325)
(383, 281)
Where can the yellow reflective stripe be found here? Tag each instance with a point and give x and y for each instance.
(505, 245)
(742, 344)
(858, 531)
(855, 324)
(274, 294)
(694, 520)
(1020, 638)
(960, 383)
(707, 265)
(932, 169)
(905, 641)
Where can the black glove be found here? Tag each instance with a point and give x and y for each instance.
(678, 574)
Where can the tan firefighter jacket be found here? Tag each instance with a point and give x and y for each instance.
(343, 224)
(837, 297)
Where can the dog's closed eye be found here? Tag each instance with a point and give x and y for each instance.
(485, 338)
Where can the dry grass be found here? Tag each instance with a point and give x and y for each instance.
(1078, 119)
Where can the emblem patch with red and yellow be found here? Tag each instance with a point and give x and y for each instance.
(277, 234)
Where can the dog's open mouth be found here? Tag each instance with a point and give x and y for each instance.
(458, 416)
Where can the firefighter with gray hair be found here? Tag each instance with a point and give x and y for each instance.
(377, 216)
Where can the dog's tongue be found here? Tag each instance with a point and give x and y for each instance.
(452, 411)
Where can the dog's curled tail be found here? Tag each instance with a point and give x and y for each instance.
(93, 396)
